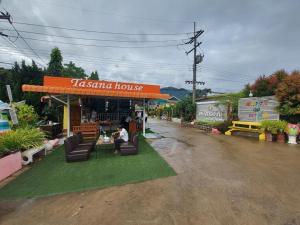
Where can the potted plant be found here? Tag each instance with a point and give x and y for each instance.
(281, 126)
(267, 126)
(12, 144)
(292, 131)
(274, 130)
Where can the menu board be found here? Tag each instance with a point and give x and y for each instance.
(210, 111)
(258, 108)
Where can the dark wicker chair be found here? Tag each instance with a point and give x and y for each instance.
(75, 152)
(131, 147)
(82, 142)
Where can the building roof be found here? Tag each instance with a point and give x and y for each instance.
(174, 98)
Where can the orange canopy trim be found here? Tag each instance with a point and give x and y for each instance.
(92, 92)
(95, 85)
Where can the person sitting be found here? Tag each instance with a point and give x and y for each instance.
(123, 137)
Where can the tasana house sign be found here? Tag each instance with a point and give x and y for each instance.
(99, 85)
(211, 111)
(258, 109)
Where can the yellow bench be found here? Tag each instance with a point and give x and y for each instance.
(254, 127)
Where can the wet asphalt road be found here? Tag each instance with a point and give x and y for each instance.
(220, 181)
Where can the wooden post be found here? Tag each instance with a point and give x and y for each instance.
(144, 123)
(68, 115)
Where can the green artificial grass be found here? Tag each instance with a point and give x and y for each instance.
(53, 175)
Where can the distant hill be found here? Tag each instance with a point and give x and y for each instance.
(179, 93)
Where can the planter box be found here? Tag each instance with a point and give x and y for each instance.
(292, 139)
(176, 120)
(10, 164)
(27, 156)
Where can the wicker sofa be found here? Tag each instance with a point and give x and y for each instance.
(76, 150)
(131, 147)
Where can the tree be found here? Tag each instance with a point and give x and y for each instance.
(5, 78)
(246, 90)
(94, 75)
(267, 85)
(260, 87)
(202, 92)
(288, 94)
(31, 74)
(187, 109)
(55, 66)
(16, 77)
(231, 101)
(71, 70)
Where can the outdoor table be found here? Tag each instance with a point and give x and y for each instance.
(101, 144)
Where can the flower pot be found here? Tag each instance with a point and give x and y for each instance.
(10, 164)
(292, 139)
(280, 138)
(269, 136)
(274, 137)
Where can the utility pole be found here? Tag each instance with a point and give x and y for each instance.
(197, 58)
(194, 65)
(4, 16)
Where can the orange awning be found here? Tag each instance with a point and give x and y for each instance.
(89, 92)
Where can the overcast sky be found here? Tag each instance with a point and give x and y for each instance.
(242, 39)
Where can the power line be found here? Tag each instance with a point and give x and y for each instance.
(108, 58)
(134, 64)
(101, 32)
(120, 64)
(100, 46)
(19, 50)
(96, 39)
(164, 69)
(27, 43)
(8, 17)
(115, 60)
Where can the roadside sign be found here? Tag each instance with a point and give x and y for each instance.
(258, 108)
(210, 111)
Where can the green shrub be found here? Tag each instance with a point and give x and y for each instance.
(158, 113)
(26, 115)
(3, 150)
(281, 125)
(21, 139)
(274, 126)
(266, 125)
(222, 126)
(187, 109)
